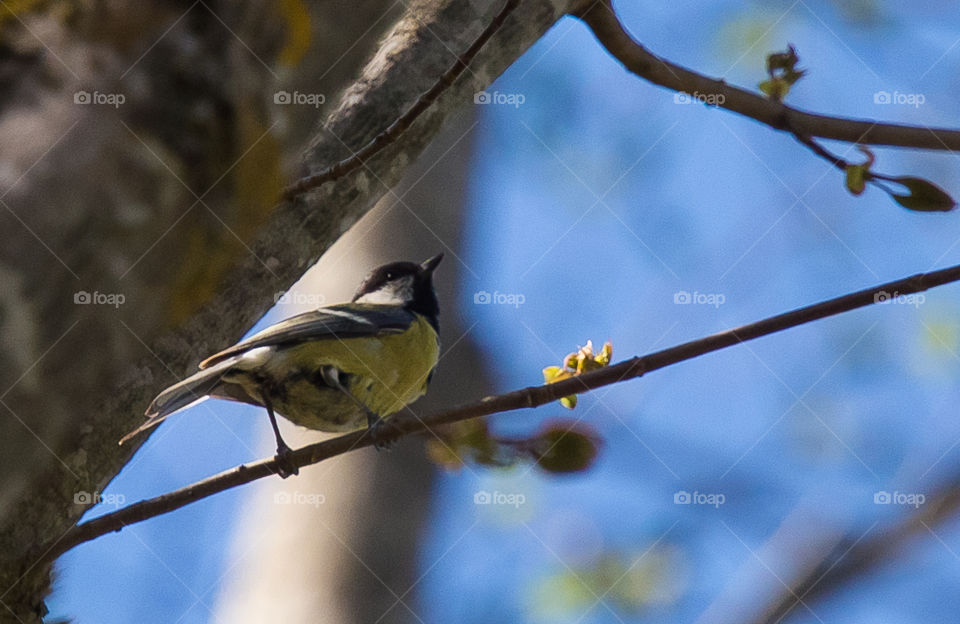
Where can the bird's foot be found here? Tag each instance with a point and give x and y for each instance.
(285, 464)
(383, 439)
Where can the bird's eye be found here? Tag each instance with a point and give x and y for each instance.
(389, 276)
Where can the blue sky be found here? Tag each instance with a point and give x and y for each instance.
(599, 199)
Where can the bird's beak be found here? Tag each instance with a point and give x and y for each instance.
(429, 265)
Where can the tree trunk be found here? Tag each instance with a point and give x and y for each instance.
(142, 234)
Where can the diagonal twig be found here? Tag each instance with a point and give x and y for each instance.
(529, 397)
(603, 21)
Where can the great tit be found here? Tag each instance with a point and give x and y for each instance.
(335, 368)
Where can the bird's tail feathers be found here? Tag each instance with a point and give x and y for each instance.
(180, 395)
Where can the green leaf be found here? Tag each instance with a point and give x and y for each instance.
(582, 361)
(924, 196)
(551, 373)
(774, 88)
(856, 178)
(562, 447)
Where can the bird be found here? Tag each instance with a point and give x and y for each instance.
(337, 368)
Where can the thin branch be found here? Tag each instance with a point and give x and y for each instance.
(529, 397)
(821, 151)
(943, 199)
(852, 556)
(400, 125)
(608, 30)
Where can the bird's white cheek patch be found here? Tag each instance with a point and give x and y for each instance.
(393, 293)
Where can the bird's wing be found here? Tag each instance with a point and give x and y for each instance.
(336, 321)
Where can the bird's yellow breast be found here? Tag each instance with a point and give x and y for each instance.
(384, 373)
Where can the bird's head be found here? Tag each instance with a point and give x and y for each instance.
(405, 284)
